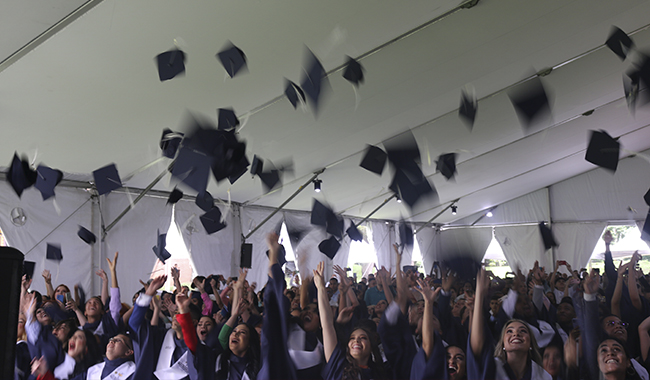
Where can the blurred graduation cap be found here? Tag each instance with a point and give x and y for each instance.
(329, 247)
(354, 233)
(295, 230)
(335, 225)
(547, 236)
(446, 165)
(294, 93)
(631, 89)
(20, 175)
(107, 179)
(229, 157)
(205, 201)
(646, 197)
(170, 64)
(28, 268)
(374, 159)
(468, 108)
(174, 196)
(619, 42)
(227, 119)
(257, 166)
(53, 252)
(402, 151)
(159, 249)
(232, 59)
(211, 221)
(313, 80)
(412, 187)
(531, 101)
(192, 167)
(86, 235)
(270, 179)
(603, 150)
(464, 265)
(320, 213)
(353, 72)
(169, 142)
(46, 180)
(405, 234)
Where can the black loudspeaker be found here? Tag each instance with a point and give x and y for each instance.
(246, 260)
(11, 271)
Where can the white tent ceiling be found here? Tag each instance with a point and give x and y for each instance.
(87, 94)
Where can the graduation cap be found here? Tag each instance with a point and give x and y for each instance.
(238, 170)
(270, 179)
(412, 188)
(296, 231)
(446, 165)
(319, 213)
(402, 151)
(354, 233)
(53, 252)
(531, 101)
(28, 269)
(46, 180)
(20, 175)
(374, 159)
(619, 42)
(329, 247)
(293, 92)
(646, 197)
(159, 249)
(335, 225)
(227, 119)
(603, 150)
(192, 167)
(205, 201)
(107, 179)
(257, 165)
(464, 265)
(169, 142)
(312, 82)
(468, 108)
(547, 236)
(211, 221)
(86, 235)
(405, 234)
(175, 196)
(232, 59)
(170, 64)
(631, 89)
(353, 72)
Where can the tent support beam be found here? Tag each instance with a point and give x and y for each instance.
(437, 215)
(375, 210)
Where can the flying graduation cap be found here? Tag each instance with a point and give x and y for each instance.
(468, 108)
(170, 64)
(107, 179)
(169, 142)
(257, 166)
(547, 236)
(374, 159)
(446, 165)
(46, 180)
(313, 80)
(159, 249)
(227, 119)
(174, 196)
(232, 59)
(631, 90)
(53, 252)
(646, 197)
(211, 221)
(205, 201)
(353, 72)
(329, 247)
(294, 93)
(531, 102)
(619, 43)
(405, 234)
(86, 235)
(603, 150)
(20, 175)
(354, 233)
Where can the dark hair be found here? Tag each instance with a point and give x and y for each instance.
(252, 354)
(628, 376)
(352, 371)
(72, 328)
(93, 353)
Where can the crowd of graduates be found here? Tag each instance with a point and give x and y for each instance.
(541, 323)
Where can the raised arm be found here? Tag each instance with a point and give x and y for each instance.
(176, 274)
(618, 290)
(102, 275)
(477, 335)
(116, 303)
(48, 283)
(552, 279)
(428, 328)
(185, 320)
(631, 282)
(215, 291)
(644, 338)
(304, 291)
(402, 288)
(143, 302)
(383, 278)
(329, 334)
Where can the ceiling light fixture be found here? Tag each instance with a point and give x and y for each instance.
(454, 209)
(489, 214)
(399, 200)
(317, 183)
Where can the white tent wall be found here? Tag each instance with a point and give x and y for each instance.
(529, 208)
(522, 245)
(429, 241)
(46, 223)
(383, 238)
(133, 237)
(576, 242)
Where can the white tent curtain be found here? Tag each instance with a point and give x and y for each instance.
(383, 238)
(133, 237)
(576, 241)
(407, 252)
(210, 254)
(251, 217)
(532, 207)
(522, 245)
(429, 241)
(46, 221)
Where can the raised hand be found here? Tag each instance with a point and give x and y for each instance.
(345, 315)
(39, 366)
(428, 294)
(47, 276)
(25, 283)
(537, 274)
(319, 281)
(590, 283)
(448, 280)
(171, 307)
(156, 284)
(241, 279)
(112, 264)
(71, 305)
(182, 303)
(176, 273)
(101, 274)
(345, 282)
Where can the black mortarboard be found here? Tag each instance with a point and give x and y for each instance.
(159, 249)
(403, 151)
(603, 150)
(353, 71)
(205, 201)
(257, 166)
(174, 196)
(86, 235)
(169, 142)
(238, 169)
(319, 213)
(170, 64)
(192, 168)
(530, 101)
(335, 225)
(107, 179)
(232, 59)
(312, 82)
(270, 179)
(53, 252)
(446, 165)
(547, 236)
(329, 247)
(374, 160)
(46, 180)
(28, 268)
(646, 197)
(20, 175)
(294, 93)
(412, 188)
(464, 265)
(619, 42)
(468, 108)
(645, 232)
(631, 89)
(211, 221)
(354, 233)
(227, 119)
(405, 234)
(296, 231)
